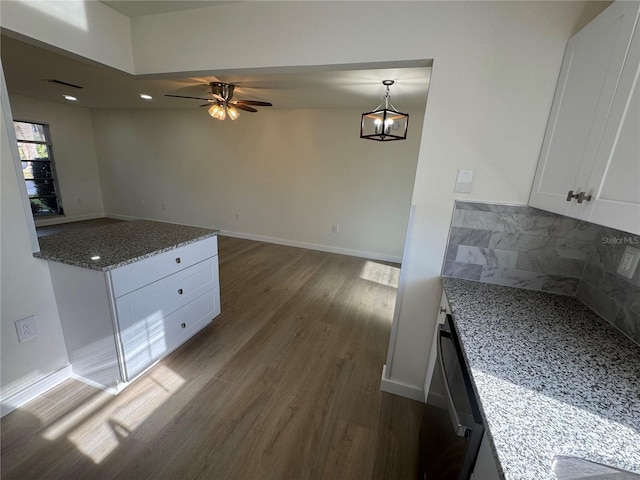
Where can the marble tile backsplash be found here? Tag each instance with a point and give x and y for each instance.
(521, 246)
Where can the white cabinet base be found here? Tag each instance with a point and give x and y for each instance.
(112, 339)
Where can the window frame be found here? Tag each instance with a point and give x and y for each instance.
(51, 161)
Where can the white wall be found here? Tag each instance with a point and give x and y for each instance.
(89, 28)
(289, 174)
(26, 290)
(494, 73)
(74, 154)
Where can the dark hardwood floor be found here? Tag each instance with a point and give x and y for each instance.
(284, 384)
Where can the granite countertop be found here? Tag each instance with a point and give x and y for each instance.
(117, 244)
(551, 378)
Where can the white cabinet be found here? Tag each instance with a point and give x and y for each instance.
(118, 323)
(589, 166)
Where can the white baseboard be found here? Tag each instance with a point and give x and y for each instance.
(400, 388)
(313, 246)
(34, 390)
(99, 386)
(437, 400)
(45, 222)
(282, 241)
(128, 217)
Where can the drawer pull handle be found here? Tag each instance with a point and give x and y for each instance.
(178, 260)
(183, 325)
(180, 291)
(571, 195)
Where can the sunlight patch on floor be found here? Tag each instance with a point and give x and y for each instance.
(98, 426)
(380, 273)
(70, 420)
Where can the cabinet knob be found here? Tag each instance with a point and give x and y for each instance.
(183, 325)
(582, 197)
(180, 291)
(178, 260)
(571, 195)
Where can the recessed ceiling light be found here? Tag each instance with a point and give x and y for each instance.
(70, 98)
(144, 96)
(95, 258)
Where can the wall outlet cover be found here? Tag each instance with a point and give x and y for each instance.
(629, 262)
(26, 328)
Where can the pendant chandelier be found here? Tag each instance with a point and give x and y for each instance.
(384, 124)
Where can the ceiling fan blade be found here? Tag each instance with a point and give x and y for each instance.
(209, 104)
(253, 102)
(218, 97)
(182, 96)
(246, 108)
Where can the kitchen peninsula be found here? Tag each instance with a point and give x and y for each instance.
(130, 293)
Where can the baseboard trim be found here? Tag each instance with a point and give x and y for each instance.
(117, 216)
(400, 388)
(383, 257)
(45, 222)
(313, 246)
(36, 389)
(437, 400)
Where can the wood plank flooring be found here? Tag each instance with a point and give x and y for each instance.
(283, 385)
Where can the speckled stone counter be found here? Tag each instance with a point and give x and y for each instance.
(551, 378)
(112, 246)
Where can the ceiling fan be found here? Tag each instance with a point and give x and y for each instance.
(221, 104)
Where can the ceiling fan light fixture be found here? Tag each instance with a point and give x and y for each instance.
(233, 112)
(217, 111)
(384, 124)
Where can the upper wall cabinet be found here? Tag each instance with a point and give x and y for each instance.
(589, 165)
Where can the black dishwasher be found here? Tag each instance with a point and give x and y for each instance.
(450, 439)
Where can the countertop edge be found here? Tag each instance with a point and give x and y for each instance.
(113, 266)
(487, 431)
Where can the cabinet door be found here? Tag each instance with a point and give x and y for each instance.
(615, 179)
(588, 79)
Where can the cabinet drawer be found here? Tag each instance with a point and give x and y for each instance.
(136, 275)
(165, 296)
(158, 338)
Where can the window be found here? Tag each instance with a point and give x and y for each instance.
(34, 147)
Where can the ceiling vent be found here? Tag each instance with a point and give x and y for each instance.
(66, 84)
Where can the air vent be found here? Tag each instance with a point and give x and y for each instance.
(66, 84)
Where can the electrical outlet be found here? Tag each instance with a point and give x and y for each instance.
(629, 262)
(27, 328)
(163, 205)
(237, 216)
(335, 229)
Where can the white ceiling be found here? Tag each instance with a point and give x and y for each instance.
(27, 69)
(139, 8)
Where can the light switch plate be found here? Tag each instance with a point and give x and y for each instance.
(463, 181)
(629, 262)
